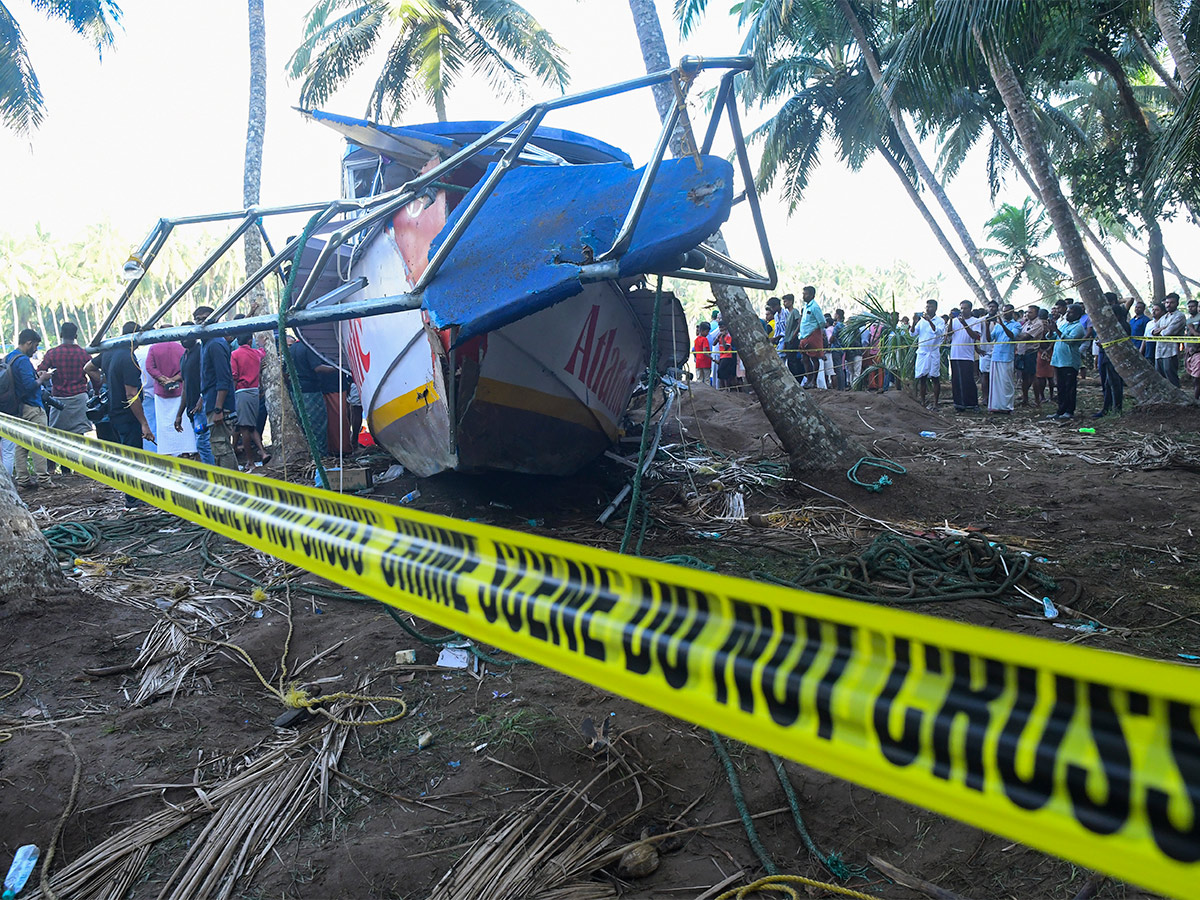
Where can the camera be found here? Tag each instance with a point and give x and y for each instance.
(97, 407)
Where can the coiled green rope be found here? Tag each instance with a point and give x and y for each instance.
(877, 463)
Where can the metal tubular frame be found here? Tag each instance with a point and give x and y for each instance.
(337, 312)
(379, 208)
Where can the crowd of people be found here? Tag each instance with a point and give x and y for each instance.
(817, 347)
(190, 398)
(996, 358)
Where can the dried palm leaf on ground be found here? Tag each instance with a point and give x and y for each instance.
(247, 814)
(1159, 453)
(1130, 450)
(543, 850)
(168, 654)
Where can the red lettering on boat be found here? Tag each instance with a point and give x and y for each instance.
(360, 362)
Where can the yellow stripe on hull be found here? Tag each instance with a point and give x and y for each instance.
(566, 409)
(417, 398)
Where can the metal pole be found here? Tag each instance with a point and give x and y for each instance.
(271, 265)
(246, 223)
(146, 253)
(625, 235)
(338, 313)
(484, 191)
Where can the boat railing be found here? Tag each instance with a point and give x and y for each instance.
(370, 212)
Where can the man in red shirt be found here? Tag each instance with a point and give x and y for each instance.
(68, 384)
(246, 362)
(702, 352)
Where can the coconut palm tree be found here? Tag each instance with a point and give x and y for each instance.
(431, 44)
(952, 44)
(22, 106)
(887, 93)
(808, 68)
(1167, 17)
(811, 439)
(1020, 231)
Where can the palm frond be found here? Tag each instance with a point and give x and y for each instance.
(395, 88)
(688, 14)
(21, 102)
(521, 38)
(95, 20)
(333, 53)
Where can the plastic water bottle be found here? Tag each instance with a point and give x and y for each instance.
(410, 497)
(928, 434)
(20, 870)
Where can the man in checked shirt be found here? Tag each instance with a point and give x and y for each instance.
(68, 384)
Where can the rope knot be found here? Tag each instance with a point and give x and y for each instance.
(295, 697)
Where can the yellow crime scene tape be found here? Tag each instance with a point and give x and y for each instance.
(1089, 755)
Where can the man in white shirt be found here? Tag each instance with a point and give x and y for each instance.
(1166, 353)
(963, 332)
(930, 329)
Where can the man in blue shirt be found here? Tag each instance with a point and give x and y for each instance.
(812, 335)
(1065, 359)
(1002, 390)
(1137, 327)
(28, 386)
(216, 389)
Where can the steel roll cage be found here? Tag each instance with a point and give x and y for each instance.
(378, 209)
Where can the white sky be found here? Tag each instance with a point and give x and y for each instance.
(158, 129)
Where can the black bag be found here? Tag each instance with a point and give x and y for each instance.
(10, 403)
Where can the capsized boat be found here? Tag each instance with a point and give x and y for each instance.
(483, 283)
(513, 361)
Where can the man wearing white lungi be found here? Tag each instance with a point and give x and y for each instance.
(930, 329)
(1002, 390)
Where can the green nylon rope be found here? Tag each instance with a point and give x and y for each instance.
(875, 462)
(644, 446)
(739, 801)
(833, 862)
(894, 569)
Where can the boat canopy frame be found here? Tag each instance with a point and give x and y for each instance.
(377, 210)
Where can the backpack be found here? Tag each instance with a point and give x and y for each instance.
(10, 404)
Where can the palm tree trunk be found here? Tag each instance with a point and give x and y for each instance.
(285, 430)
(932, 222)
(910, 146)
(1156, 64)
(1137, 118)
(1168, 23)
(810, 438)
(1080, 222)
(1140, 378)
(27, 565)
(1154, 256)
(1183, 280)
